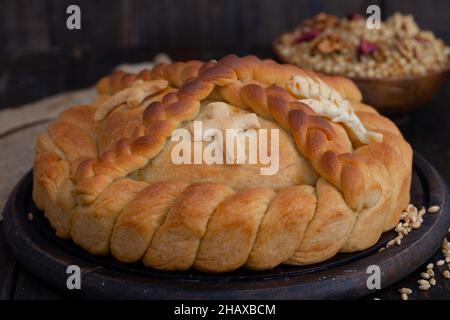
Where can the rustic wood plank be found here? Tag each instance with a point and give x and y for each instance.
(221, 26)
(199, 25)
(8, 267)
(23, 27)
(29, 287)
(101, 24)
(169, 26)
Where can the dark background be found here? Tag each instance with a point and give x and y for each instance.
(39, 56)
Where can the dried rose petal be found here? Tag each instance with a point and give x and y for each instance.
(354, 17)
(307, 36)
(422, 40)
(366, 47)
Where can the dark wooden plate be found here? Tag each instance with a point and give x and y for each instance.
(344, 276)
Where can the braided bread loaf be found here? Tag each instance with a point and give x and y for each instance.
(103, 176)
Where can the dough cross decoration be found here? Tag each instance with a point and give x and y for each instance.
(220, 118)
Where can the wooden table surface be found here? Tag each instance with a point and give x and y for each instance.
(32, 78)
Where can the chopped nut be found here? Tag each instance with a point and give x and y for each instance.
(404, 25)
(446, 274)
(398, 49)
(329, 43)
(425, 287)
(321, 22)
(307, 36)
(405, 290)
(404, 296)
(445, 244)
(433, 281)
(440, 263)
(430, 266)
(434, 209)
(390, 243)
(425, 275)
(409, 219)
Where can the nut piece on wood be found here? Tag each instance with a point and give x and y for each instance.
(433, 209)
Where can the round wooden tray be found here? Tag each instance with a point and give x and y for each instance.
(342, 277)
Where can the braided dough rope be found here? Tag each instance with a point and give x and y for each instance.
(71, 139)
(68, 142)
(174, 226)
(326, 101)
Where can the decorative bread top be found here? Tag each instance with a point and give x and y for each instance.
(244, 82)
(219, 117)
(327, 102)
(91, 166)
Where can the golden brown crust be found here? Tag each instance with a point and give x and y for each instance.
(283, 227)
(50, 173)
(87, 164)
(92, 225)
(232, 231)
(328, 229)
(139, 221)
(175, 244)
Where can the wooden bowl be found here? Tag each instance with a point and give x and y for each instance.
(394, 96)
(398, 96)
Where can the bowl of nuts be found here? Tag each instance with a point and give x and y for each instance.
(398, 67)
